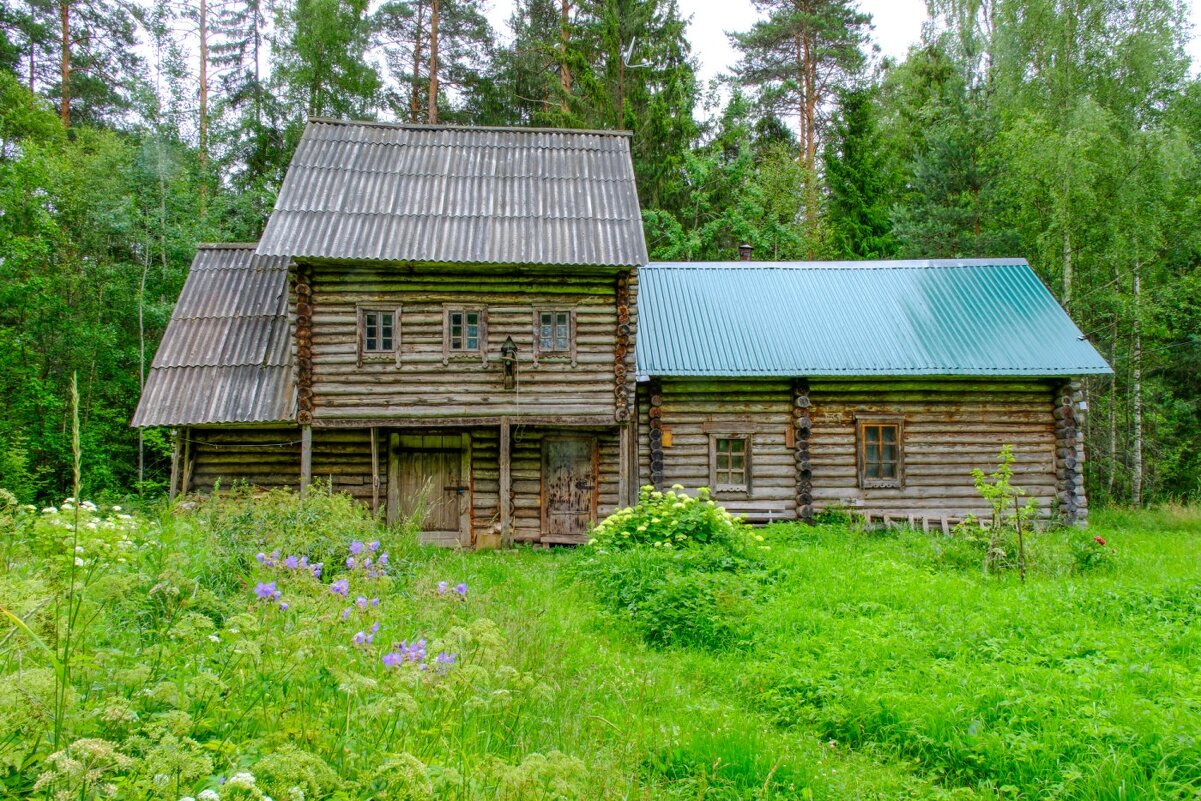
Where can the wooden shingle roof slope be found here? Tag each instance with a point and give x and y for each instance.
(953, 317)
(458, 195)
(226, 354)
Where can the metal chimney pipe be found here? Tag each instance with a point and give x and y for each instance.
(744, 252)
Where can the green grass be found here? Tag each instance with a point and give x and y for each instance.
(848, 665)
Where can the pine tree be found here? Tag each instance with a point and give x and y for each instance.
(862, 182)
(320, 58)
(803, 51)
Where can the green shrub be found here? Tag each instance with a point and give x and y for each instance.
(1090, 552)
(671, 519)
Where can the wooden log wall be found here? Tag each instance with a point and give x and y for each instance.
(950, 426)
(1069, 454)
(420, 382)
(690, 411)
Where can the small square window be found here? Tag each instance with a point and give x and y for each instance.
(730, 460)
(880, 453)
(379, 331)
(464, 331)
(553, 336)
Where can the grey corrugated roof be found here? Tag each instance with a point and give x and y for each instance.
(442, 194)
(226, 354)
(941, 318)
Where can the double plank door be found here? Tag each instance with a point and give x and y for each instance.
(429, 479)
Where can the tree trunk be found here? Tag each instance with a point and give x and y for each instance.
(564, 68)
(203, 123)
(64, 9)
(433, 97)
(415, 95)
(1067, 268)
(142, 363)
(1136, 391)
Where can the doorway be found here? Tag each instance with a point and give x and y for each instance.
(428, 477)
(570, 486)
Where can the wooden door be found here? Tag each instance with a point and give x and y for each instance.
(569, 488)
(427, 476)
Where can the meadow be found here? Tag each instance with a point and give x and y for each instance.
(253, 648)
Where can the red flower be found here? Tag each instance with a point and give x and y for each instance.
(1100, 541)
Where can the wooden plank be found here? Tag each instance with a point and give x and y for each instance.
(173, 486)
(306, 458)
(374, 472)
(506, 478)
(393, 512)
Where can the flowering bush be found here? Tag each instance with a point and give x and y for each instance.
(671, 519)
(1091, 552)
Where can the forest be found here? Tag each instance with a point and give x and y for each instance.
(1067, 132)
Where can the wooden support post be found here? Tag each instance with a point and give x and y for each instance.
(306, 458)
(374, 471)
(173, 487)
(623, 462)
(506, 481)
(185, 481)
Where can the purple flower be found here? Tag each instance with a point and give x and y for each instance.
(292, 563)
(373, 546)
(442, 585)
(346, 613)
(340, 587)
(461, 589)
(360, 638)
(283, 606)
(375, 601)
(350, 563)
(361, 602)
(412, 652)
(393, 659)
(367, 562)
(444, 661)
(262, 557)
(375, 627)
(266, 591)
(317, 569)
(383, 559)
(356, 547)
(304, 561)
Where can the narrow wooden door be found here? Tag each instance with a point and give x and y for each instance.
(569, 488)
(426, 477)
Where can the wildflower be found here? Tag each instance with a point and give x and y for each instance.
(49, 510)
(373, 546)
(444, 661)
(356, 547)
(242, 781)
(317, 569)
(208, 795)
(261, 557)
(375, 601)
(346, 613)
(442, 585)
(340, 587)
(367, 562)
(116, 508)
(304, 561)
(350, 563)
(292, 562)
(1100, 541)
(383, 559)
(78, 562)
(360, 638)
(214, 638)
(375, 627)
(266, 591)
(283, 606)
(361, 602)
(393, 659)
(461, 589)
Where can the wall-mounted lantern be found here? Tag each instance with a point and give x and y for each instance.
(508, 360)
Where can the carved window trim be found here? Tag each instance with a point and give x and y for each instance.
(541, 355)
(480, 352)
(864, 426)
(378, 354)
(720, 462)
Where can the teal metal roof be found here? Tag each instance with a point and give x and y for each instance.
(985, 317)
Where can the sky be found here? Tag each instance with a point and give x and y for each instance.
(897, 23)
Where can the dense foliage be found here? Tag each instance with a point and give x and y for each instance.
(255, 647)
(1065, 133)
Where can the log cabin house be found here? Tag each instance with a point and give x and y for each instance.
(462, 323)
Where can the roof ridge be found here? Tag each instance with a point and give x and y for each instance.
(866, 264)
(225, 245)
(415, 126)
